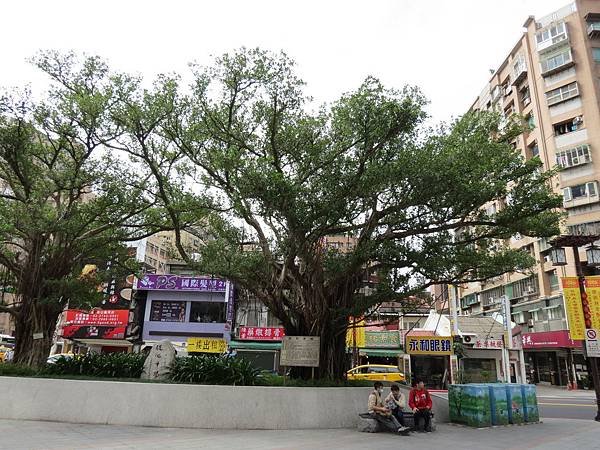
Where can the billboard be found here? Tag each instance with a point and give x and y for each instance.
(98, 323)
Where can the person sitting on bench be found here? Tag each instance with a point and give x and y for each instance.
(420, 402)
(396, 402)
(382, 414)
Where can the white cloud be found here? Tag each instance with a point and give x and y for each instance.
(445, 47)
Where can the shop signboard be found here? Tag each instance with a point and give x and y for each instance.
(300, 351)
(100, 324)
(573, 306)
(429, 345)
(592, 345)
(506, 321)
(488, 343)
(261, 333)
(386, 339)
(206, 345)
(154, 282)
(592, 288)
(548, 339)
(355, 335)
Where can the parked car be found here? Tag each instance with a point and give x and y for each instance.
(52, 359)
(376, 372)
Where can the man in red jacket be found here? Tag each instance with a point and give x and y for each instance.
(419, 401)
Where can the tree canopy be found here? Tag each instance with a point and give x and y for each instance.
(244, 153)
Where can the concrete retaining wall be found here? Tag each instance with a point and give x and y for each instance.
(187, 406)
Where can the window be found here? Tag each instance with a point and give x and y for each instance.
(580, 191)
(208, 312)
(574, 156)
(596, 54)
(553, 280)
(569, 126)
(534, 150)
(525, 96)
(556, 60)
(554, 313)
(531, 121)
(551, 35)
(526, 286)
(562, 93)
(492, 296)
(537, 315)
(163, 311)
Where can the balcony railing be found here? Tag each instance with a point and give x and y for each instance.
(519, 72)
(593, 30)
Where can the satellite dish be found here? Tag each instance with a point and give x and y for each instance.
(126, 293)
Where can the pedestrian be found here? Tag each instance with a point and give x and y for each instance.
(382, 414)
(420, 402)
(396, 403)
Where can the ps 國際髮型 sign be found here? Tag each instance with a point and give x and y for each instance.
(300, 351)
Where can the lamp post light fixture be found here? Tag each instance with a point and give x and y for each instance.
(558, 255)
(593, 255)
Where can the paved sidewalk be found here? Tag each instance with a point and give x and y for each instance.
(550, 435)
(547, 391)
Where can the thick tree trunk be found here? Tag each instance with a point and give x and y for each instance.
(34, 331)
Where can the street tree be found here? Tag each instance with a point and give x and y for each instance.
(64, 200)
(283, 175)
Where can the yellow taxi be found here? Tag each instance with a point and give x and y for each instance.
(376, 372)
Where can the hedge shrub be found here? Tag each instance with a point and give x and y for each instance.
(109, 365)
(214, 370)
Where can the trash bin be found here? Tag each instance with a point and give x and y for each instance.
(515, 403)
(469, 404)
(499, 404)
(531, 411)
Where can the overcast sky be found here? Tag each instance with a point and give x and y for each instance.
(444, 46)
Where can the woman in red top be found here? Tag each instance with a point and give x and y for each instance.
(419, 401)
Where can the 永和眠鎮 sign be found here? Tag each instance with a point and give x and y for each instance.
(428, 345)
(153, 282)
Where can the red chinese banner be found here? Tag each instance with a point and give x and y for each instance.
(261, 333)
(98, 318)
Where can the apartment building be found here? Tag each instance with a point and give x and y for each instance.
(552, 78)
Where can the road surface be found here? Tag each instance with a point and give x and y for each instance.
(567, 407)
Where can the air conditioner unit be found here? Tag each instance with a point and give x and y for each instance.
(530, 323)
(530, 290)
(467, 339)
(578, 120)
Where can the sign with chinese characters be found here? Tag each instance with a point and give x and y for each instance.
(300, 351)
(592, 345)
(261, 333)
(592, 288)
(549, 339)
(99, 324)
(355, 335)
(573, 306)
(153, 282)
(506, 321)
(386, 339)
(429, 345)
(488, 343)
(206, 345)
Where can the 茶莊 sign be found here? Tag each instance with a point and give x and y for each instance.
(300, 351)
(429, 345)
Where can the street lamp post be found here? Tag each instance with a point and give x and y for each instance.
(558, 256)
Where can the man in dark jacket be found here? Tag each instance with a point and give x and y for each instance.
(419, 401)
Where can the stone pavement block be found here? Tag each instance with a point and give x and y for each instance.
(553, 434)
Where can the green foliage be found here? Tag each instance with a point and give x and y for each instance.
(267, 379)
(109, 365)
(214, 370)
(16, 370)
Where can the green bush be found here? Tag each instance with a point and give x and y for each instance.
(214, 370)
(268, 379)
(109, 365)
(17, 370)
